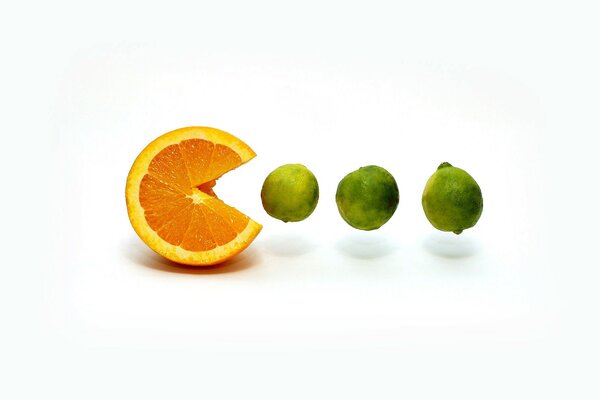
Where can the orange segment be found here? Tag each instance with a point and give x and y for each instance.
(168, 167)
(171, 202)
(175, 229)
(222, 160)
(197, 237)
(197, 154)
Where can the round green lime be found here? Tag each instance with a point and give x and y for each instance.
(290, 193)
(452, 200)
(367, 198)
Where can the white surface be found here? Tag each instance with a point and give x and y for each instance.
(312, 309)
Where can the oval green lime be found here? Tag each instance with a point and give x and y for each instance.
(367, 198)
(290, 193)
(452, 199)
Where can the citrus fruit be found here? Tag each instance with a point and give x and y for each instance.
(290, 193)
(367, 198)
(171, 202)
(452, 199)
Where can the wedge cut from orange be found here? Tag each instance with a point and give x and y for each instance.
(170, 198)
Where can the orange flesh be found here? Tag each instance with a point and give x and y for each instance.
(177, 197)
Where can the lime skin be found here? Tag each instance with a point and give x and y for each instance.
(452, 199)
(290, 193)
(367, 198)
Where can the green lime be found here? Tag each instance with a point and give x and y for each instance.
(367, 198)
(290, 193)
(452, 199)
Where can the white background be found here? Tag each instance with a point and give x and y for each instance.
(507, 91)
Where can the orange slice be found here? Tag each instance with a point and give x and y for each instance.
(170, 198)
